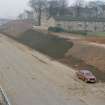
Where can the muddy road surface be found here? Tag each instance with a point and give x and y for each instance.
(30, 78)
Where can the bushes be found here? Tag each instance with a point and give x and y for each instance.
(58, 29)
(79, 32)
(55, 29)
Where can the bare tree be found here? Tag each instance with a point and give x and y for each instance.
(57, 7)
(53, 8)
(63, 4)
(77, 5)
(95, 6)
(30, 14)
(22, 16)
(38, 6)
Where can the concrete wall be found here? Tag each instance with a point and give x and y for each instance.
(81, 25)
(48, 23)
(73, 25)
(16, 27)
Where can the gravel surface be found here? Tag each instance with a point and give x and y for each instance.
(30, 78)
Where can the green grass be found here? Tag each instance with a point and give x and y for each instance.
(96, 34)
(83, 33)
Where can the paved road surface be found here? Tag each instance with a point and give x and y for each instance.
(29, 80)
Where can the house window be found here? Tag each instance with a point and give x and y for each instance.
(95, 28)
(103, 27)
(80, 24)
(69, 27)
(86, 25)
(58, 25)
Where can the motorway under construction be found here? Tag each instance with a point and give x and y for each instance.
(31, 78)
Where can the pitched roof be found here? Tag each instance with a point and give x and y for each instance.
(69, 18)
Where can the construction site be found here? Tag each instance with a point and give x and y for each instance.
(39, 67)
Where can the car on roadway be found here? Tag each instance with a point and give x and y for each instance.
(86, 76)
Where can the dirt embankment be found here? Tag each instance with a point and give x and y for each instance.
(100, 40)
(75, 54)
(52, 46)
(16, 27)
(82, 56)
(92, 55)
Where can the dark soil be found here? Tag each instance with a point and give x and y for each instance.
(52, 46)
(81, 65)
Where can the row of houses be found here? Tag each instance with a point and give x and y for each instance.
(4, 21)
(74, 24)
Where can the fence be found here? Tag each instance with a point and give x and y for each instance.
(4, 97)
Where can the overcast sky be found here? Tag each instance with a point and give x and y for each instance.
(11, 8)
